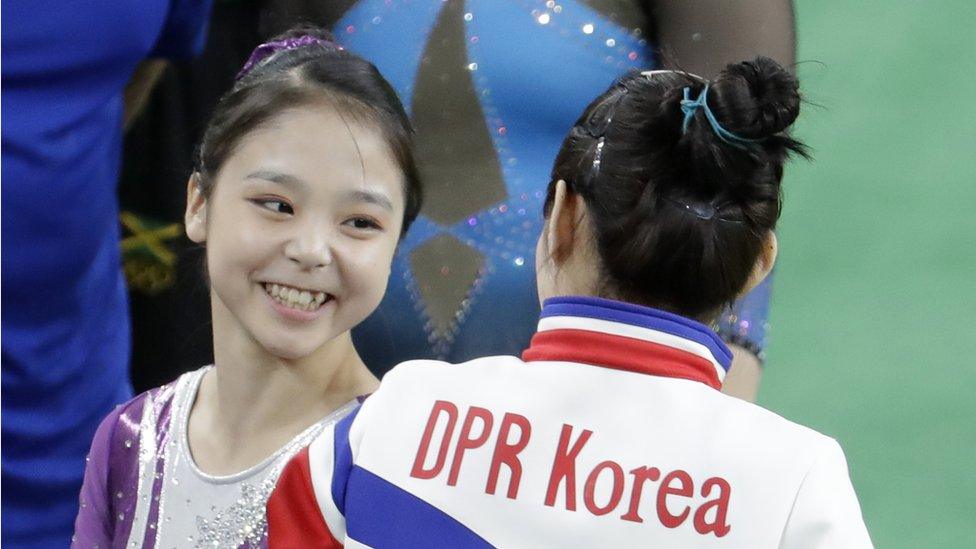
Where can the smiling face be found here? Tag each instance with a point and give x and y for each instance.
(300, 230)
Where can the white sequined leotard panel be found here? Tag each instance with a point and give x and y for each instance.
(181, 506)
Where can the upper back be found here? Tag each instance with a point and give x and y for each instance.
(557, 453)
(610, 431)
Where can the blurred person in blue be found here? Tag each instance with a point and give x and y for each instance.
(65, 67)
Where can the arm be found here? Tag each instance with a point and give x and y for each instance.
(702, 36)
(826, 512)
(94, 526)
(742, 381)
(743, 327)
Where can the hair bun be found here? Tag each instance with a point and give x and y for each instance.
(759, 98)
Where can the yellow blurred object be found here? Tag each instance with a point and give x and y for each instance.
(148, 262)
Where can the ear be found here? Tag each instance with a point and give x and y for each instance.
(764, 263)
(195, 217)
(563, 223)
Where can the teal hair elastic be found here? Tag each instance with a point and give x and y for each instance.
(689, 107)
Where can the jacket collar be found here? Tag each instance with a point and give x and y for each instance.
(624, 336)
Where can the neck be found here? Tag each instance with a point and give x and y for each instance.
(254, 392)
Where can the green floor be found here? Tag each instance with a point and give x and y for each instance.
(875, 300)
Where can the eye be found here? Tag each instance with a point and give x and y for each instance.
(363, 224)
(278, 206)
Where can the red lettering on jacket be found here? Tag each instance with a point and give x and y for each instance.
(616, 491)
(685, 488)
(720, 504)
(507, 453)
(675, 494)
(418, 470)
(564, 466)
(465, 442)
(641, 474)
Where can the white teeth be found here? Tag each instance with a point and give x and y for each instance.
(296, 299)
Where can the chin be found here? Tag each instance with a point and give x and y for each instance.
(289, 354)
(289, 350)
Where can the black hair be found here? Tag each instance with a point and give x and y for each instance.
(305, 75)
(679, 217)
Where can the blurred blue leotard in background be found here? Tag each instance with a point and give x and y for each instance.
(493, 87)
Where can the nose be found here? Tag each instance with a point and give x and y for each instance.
(310, 248)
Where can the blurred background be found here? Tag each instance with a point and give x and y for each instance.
(875, 295)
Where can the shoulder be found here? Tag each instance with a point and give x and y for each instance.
(408, 391)
(423, 371)
(764, 442)
(762, 422)
(129, 415)
(122, 414)
(826, 511)
(410, 382)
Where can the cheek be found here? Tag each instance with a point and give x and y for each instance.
(237, 249)
(369, 267)
(224, 266)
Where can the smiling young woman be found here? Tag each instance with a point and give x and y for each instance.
(304, 184)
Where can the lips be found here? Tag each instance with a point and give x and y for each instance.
(297, 298)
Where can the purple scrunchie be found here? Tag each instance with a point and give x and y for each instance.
(268, 49)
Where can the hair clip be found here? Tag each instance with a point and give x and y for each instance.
(704, 210)
(651, 73)
(268, 49)
(599, 130)
(597, 158)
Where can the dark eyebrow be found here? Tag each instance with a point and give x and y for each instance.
(284, 179)
(371, 197)
(288, 180)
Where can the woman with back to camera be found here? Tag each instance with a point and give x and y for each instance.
(610, 430)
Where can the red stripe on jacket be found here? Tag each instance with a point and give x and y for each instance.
(620, 353)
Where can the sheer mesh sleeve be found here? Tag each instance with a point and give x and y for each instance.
(702, 36)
